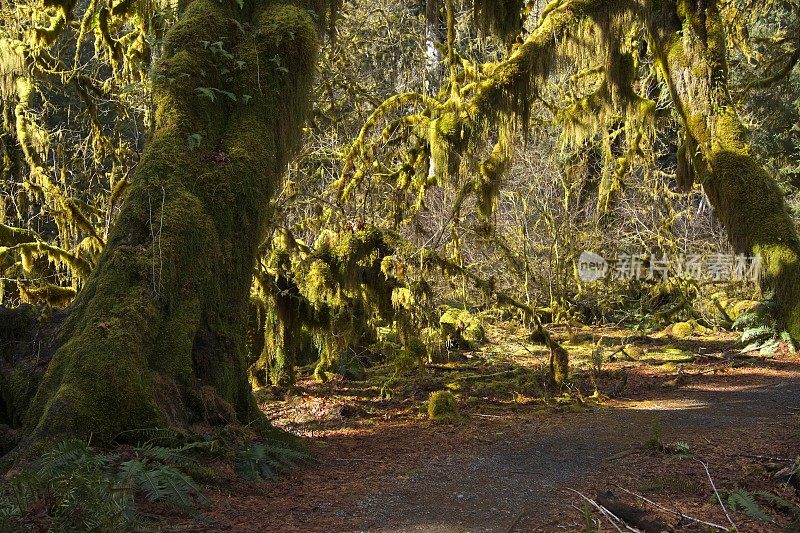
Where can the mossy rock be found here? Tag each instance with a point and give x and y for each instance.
(740, 308)
(699, 329)
(680, 330)
(634, 352)
(443, 407)
(461, 322)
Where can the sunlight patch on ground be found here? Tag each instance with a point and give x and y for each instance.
(722, 387)
(667, 405)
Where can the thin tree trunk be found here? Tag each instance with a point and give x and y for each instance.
(435, 33)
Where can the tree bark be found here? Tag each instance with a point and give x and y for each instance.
(690, 48)
(158, 335)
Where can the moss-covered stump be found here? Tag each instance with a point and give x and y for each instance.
(443, 407)
(559, 365)
(158, 335)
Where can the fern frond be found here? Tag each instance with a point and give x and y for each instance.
(163, 454)
(747, 321)
(742, 499)
(787, 338)
(757, 333)
(779, 503)
(162, 435)
(770, 347)
(90, 491)
(178, 488)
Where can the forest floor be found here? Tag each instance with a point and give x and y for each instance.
(667, 409)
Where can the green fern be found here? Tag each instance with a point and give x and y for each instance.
(757, 333)
(787, 338)
(760, 332)
(262, 461)
(743, 500)
(779, 503)
(89, 491)
(164, 436)
(759, 315)
(179, 455)
(161, 483)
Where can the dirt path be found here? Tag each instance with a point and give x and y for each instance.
(517, 484)
(510, 471)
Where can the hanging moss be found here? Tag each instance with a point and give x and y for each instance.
(745, 198)
(48, 294)
(500, 17)
(166, 307)
(491, 172)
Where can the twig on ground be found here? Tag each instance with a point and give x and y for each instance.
(605, 512)
(624, 453)
(517, 518)
(486, 416)
(672, 511)
(716, 492)
(358, 460)
(768, 457)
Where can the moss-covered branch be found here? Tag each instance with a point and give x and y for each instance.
(10, 236)
(512, 85)
(690, 45)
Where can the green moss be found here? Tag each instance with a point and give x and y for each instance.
(443, 407)
(461, 322)
(474, 332)
(681, 330)
(166, 307)
(746, 199)
(739, 308)
(700, 329)
(559, 365)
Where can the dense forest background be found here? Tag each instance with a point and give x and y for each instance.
(203, 199)
(80, 103)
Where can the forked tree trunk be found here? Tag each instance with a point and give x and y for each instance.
(689, 37)
(157, 337)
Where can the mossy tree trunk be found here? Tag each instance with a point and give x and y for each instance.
(690, 43)
(157, 337)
